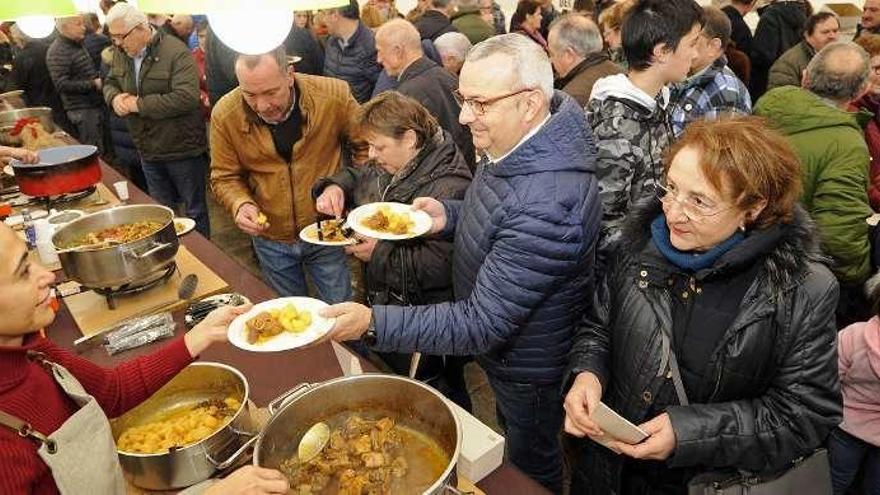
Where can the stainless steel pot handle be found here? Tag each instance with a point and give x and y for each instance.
(153, 249)
(280, 401)
(232, 459)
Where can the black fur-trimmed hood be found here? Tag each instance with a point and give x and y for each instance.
(786, 263)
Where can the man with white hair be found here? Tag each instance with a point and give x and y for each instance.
(399, 51)
(525, 238)
(453, 48)
(76, 80)
(153, 84)
(578, 55)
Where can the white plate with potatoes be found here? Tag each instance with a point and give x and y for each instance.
(280, 325)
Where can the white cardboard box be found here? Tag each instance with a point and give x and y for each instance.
(482, 450)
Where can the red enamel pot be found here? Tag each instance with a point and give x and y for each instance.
(62, 170)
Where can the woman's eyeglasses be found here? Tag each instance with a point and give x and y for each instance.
(693, 206)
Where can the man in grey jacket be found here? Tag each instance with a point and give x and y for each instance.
(76, 80)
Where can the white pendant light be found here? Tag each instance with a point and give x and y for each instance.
(251, 31)
(36, 26)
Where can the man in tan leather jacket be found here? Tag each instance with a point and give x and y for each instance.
(271, 139)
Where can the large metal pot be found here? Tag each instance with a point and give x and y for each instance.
(408, 402)
(127, 263)
(197, 462)
(62, 170)
(9, 118)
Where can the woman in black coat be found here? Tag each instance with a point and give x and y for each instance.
(721, 272)
(411, 157)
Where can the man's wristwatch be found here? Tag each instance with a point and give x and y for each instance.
(369, 337)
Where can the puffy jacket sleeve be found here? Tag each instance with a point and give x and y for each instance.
(184, 95)
(591, 345)
(840, 207)
(229, 179)
(798, 410)
(112, 86)
(535, 250)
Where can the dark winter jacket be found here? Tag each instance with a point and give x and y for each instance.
(95, 43)
(524, 247)
(355, 63)
(73, 74)
(740, 33)
(632, 130)
(416, 271)
(432, 86)
(219, 67)
(30, 73)
(780, 28)
(302, 43)
(169, 124)
(770, 391)
(433, 23)
(579, 81)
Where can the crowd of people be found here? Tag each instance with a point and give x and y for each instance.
(639, 203)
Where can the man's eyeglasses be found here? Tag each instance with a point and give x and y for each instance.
(694, 207)
(479, 107)
(119, 38)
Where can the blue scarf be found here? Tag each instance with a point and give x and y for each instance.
(689, 260)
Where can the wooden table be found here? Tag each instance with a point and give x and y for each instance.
(269, 374)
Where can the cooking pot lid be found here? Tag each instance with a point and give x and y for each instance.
(60, 155)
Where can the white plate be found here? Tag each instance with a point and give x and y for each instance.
(421, 219)
(284, 341)
(615, 427)
(187, 223)
(310, 235)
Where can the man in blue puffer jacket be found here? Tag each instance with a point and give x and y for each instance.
(525, 238)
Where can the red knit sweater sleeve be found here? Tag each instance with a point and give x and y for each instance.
(121, 388)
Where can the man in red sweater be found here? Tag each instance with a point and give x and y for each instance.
(29, 392)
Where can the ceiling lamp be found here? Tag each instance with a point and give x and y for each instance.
(247, 26)
(36, 26)
(251, 31)
(36, 18)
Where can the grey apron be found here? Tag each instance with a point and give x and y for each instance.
(82, 453)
